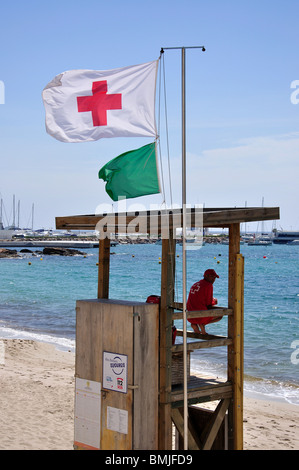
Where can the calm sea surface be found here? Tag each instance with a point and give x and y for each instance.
(37, 301)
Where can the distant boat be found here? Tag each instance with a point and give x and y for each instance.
(286, 237)
(191, 240)
(247, 237)
(262, 240)
(193, 243)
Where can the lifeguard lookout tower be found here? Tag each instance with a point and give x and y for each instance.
(135, 339)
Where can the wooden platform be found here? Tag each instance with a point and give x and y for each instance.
(201, 389)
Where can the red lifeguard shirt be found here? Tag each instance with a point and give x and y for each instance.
(200, 297)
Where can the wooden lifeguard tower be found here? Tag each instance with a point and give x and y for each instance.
(222, 428)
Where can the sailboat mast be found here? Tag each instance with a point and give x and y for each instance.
(14, 212)
(19, 208)
(263, 222)
(1, 216)
(32, 216)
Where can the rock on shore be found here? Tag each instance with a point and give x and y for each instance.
(5, 253)
(62, 251)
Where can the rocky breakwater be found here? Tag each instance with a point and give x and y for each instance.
(62, 251)
(5, 253)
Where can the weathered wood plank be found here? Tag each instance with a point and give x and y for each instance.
(157, 221)
(103, 270)
(213, 343)
(179, 424)
(235, 331)
(239, 352)
(167, 297)
(209, 392)
(115, 319)
(210, 432)
(146, 385)
(213, 312)
(192, 334)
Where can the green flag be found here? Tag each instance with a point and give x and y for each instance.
(132, 173)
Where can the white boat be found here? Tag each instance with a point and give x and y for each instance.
(262, 241)
(193, 240)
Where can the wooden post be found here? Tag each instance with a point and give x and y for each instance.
(239, 353)
(104, 263)
(235, 331)
(167, 297)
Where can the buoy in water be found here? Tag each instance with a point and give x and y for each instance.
(29, 263)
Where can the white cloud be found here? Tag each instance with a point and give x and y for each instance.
(246, 172)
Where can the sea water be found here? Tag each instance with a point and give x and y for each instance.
(38, 298)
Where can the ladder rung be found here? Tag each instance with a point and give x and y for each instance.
(192, 334)
(205, 343)
(213, 312)
(197, 390)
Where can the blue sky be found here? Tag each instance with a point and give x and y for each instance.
(243, 130)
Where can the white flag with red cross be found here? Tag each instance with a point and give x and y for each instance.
(87, 105)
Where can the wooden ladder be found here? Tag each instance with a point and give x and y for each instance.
(206, 341)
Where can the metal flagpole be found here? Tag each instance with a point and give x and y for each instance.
(185, 354)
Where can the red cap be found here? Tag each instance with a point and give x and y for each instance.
(211, 272)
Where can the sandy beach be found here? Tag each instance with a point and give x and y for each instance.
(37, 404)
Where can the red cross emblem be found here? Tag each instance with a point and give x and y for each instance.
(99, 103)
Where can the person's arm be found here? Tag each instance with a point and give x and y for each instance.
(210, 297)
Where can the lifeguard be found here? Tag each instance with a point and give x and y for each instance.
(201, 298)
